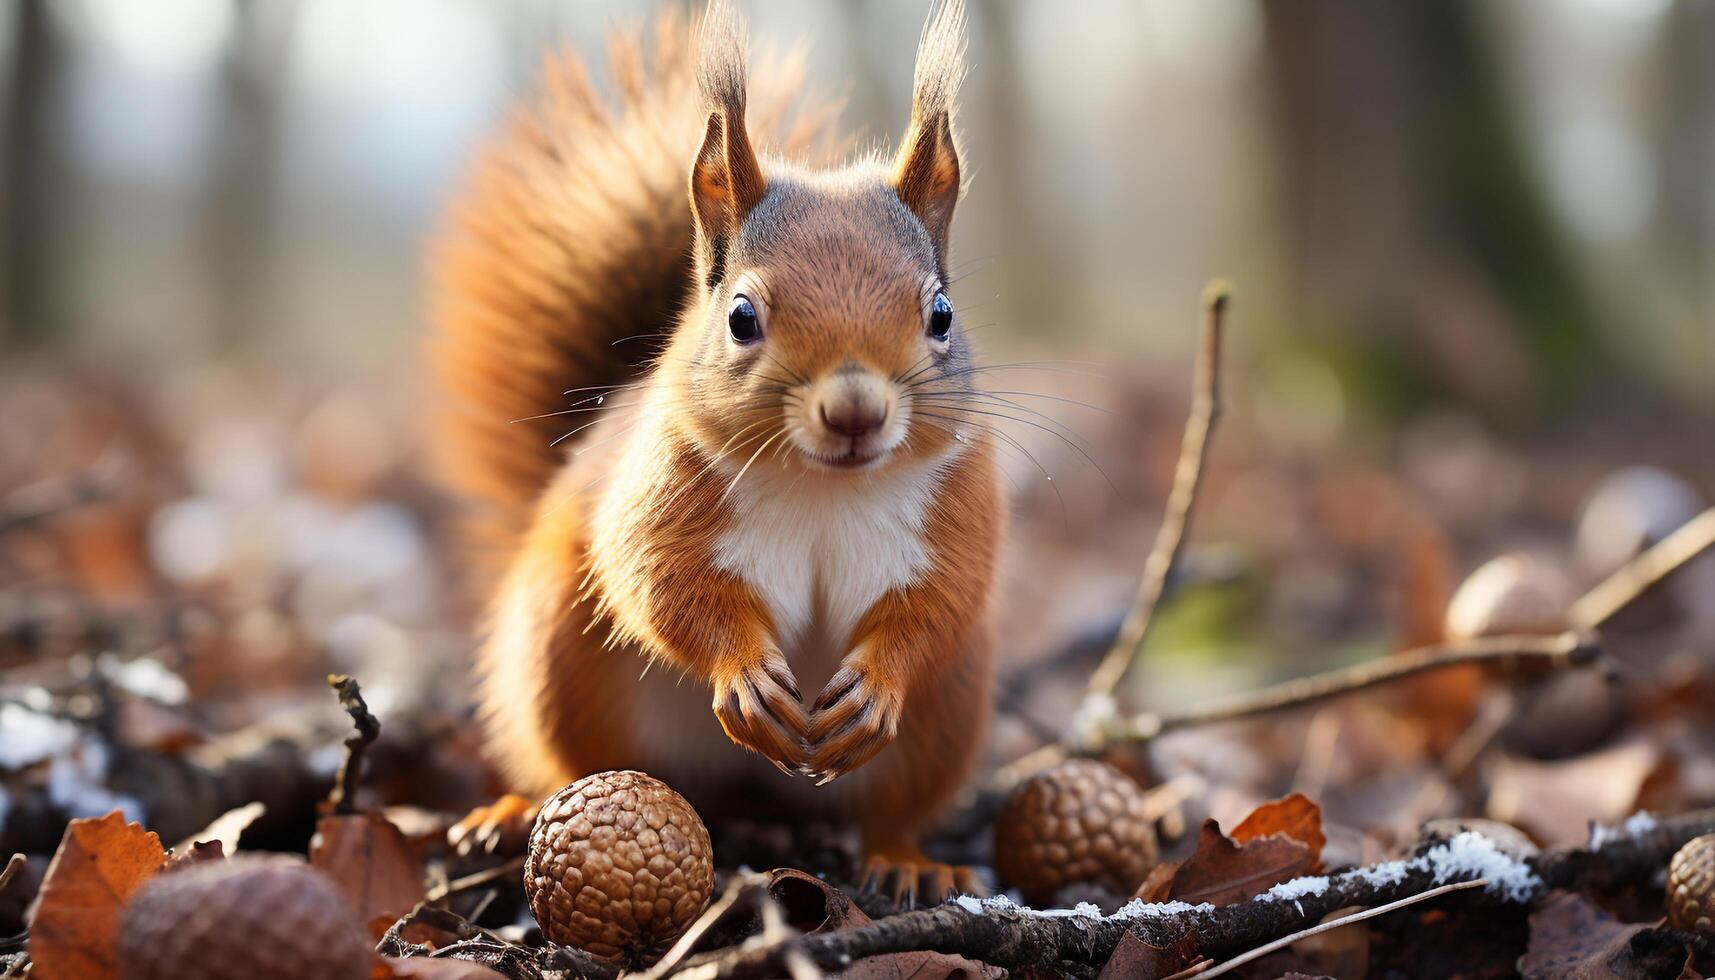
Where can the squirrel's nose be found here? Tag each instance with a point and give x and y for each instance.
(854, 417)
(852, 402)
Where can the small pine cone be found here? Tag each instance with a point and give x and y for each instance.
(1081, 822)
(619, 865)
(244, 918)
(1691, 886)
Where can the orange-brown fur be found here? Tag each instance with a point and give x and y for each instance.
(655, 546)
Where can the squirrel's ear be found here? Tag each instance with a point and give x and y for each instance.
(726, 181)
(926, 175)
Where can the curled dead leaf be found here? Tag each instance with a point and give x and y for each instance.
(1222, 871)
(1137, 957)
(1293, 815)
(811, 904)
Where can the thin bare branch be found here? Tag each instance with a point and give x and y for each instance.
(1187, 478)
(1636, 577)
(1333, 924)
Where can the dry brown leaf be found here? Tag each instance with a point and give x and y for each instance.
(1159, 883)
(225, 829)
(74, 933)
(920, 966)
(1555, 801)
(811, 904)
(1135, 957)
(1222, 872)
(1573, 939)
(373, 865)
(197, 853)
(1293, 816)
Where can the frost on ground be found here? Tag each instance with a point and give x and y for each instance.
(1635, 825)
(1470, 855)
(28, 737)
(1134, 909)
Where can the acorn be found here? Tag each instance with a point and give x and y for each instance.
(1628, 511)
(249, 917)
(1563, 715)
(1510, 594)
(1691, 886)
(619, 865)
(1081, 822)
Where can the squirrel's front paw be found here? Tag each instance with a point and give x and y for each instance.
(855, 717)
(760, 708)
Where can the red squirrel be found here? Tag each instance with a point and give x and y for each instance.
(791, 511)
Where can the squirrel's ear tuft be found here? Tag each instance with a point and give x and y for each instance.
(926, 175)
(726, 181)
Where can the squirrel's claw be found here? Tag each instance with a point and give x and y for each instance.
(854, 718)
(912, 880)
(760, 709)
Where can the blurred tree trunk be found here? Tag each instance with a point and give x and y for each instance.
(1421, 244)
(1688, 151)
(237, 223)
(27, 179)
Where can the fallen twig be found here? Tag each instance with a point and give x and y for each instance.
(13, 866)
(344, 792)
(1187, 478)
(1507, 654)
(477, 879)
(1328, 926)
(1022, 940)
(1630, 581)
(1525, 654)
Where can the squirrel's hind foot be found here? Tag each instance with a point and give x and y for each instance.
(910, 879)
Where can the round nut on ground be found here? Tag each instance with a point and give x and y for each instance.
(619, 865)
(1691, 886)
(244, 918)
(1080, 822)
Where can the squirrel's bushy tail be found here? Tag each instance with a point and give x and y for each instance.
(569, 257)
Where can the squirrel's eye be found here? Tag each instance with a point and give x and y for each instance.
(741, 320)
(940, 317)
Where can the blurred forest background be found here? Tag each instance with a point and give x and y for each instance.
(1497, 202)
(1474, 244)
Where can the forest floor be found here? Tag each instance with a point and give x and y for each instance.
(1513, 755)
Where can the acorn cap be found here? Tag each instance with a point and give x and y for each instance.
(1691, 886)
(1081, 822)
(1510, 594)
(249, 917)
(619, 865)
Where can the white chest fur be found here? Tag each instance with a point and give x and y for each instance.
(822, 550)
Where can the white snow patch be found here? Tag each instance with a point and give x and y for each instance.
(147, 678)
(1641, 822)
(27, 737)
(1386, 873)
(1136, 908)
(75, 784)
(1297, 888)
(1470, 855)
